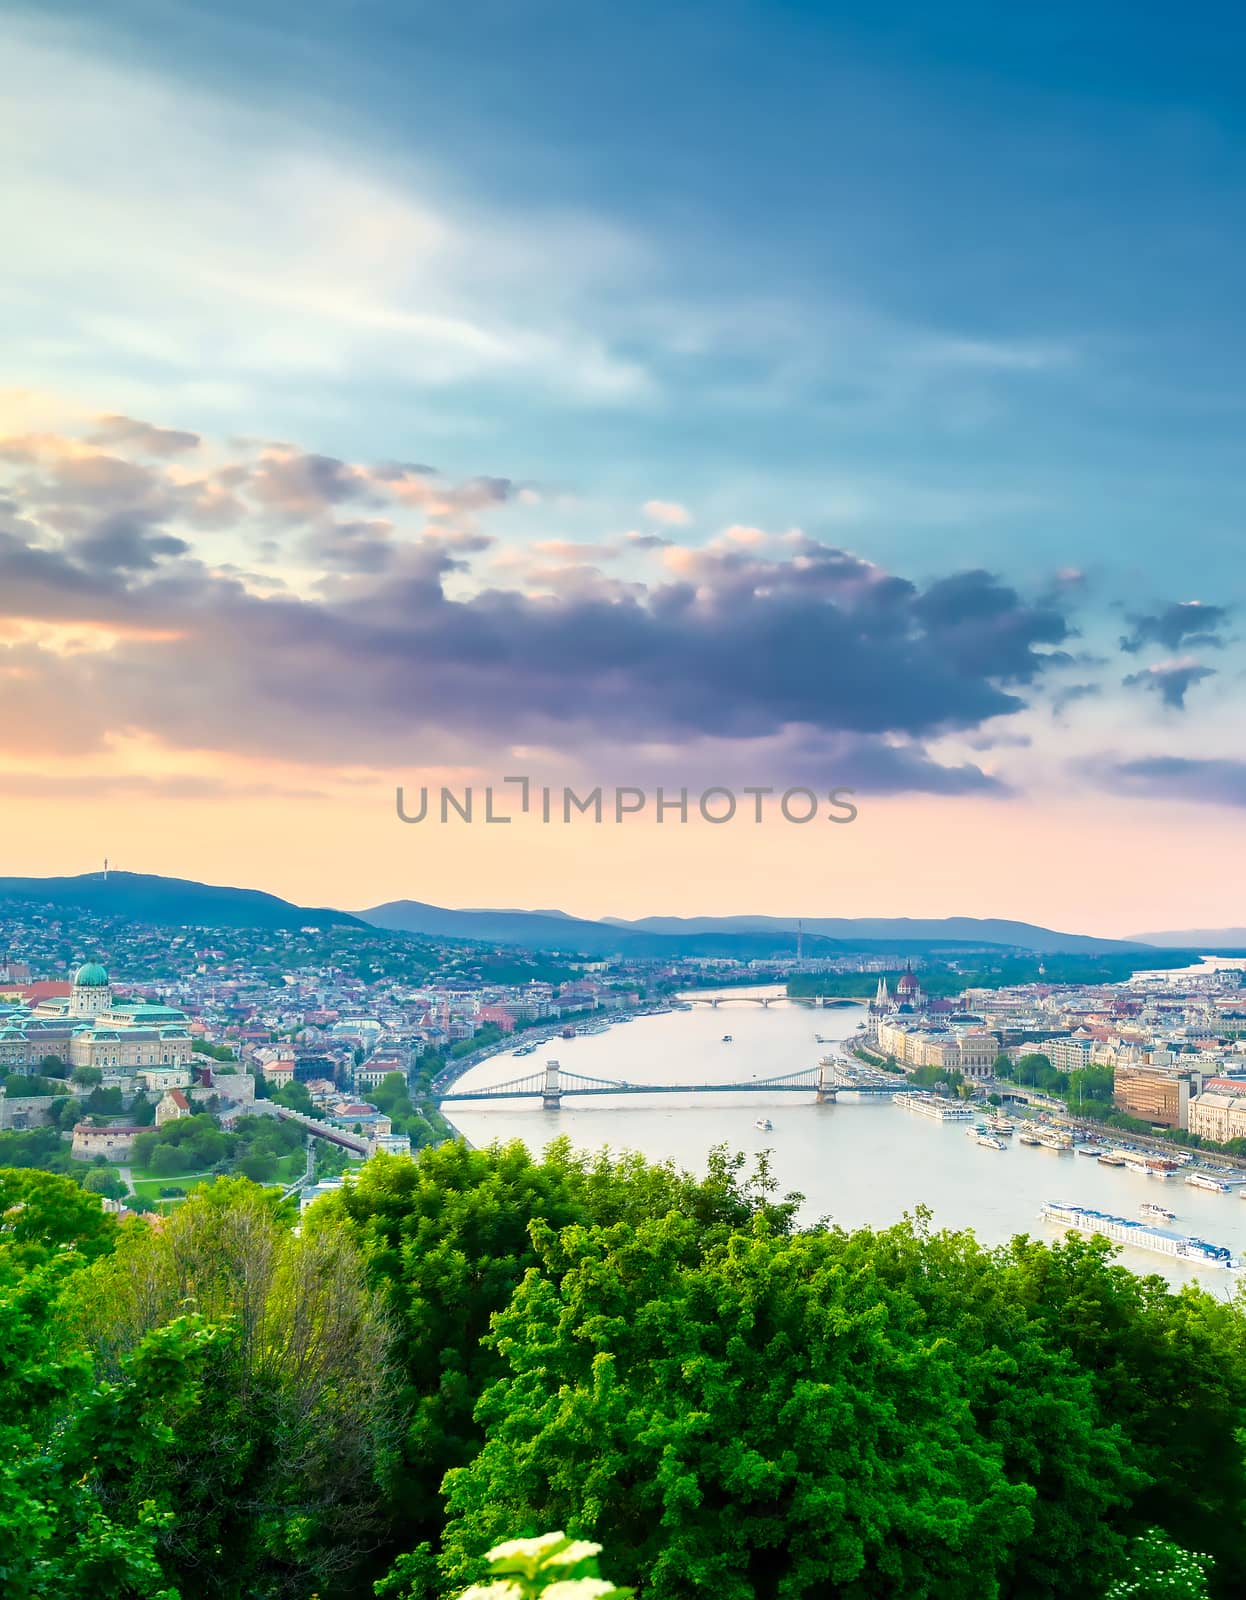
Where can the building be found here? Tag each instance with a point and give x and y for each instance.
(1154, 1095)
(91, 992)
(1071, 1054)
(1216, 1114)
(172, 1106)
(114, 1141)
(88, 1028)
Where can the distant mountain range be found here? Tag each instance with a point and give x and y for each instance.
(170, 902)
(1197, 939)
(182, 902)
(741, 936)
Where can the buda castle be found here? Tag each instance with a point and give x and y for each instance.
(89, 1028)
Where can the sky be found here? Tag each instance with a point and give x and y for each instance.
(783, 395)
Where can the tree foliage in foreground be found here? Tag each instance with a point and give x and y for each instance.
(235, 1403)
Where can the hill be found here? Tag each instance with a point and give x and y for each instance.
(742, 937)
(169, 902)
(975, 931)
(1198, 939)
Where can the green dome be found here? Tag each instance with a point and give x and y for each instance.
(91, 976)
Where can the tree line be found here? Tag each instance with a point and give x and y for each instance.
(475, 1347)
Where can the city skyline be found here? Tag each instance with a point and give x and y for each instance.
(857, 411)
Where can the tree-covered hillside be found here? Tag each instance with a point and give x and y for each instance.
(476, 1346)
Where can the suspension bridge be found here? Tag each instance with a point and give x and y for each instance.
(814, 1002)
(826, 1082)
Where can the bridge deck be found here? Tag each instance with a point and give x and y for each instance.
(506, 1092)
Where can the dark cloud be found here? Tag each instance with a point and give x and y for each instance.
(1186, 624)
(878, 768)
(977, 621)
(143, 437)
(1209, 780)
(1171, 680)
(126, 543)
(298, 485)
(361, 547)
(399, 649)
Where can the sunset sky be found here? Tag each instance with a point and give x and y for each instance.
(676, 394)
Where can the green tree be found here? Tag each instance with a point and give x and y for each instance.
(708, 1417)
(42, 1215)
(450, 1234)
(105, 1181)
(1158, 1569)
(86, 1077)
(83, 1508)
(278, 1483)
(1168, 1370)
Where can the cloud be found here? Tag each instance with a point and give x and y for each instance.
(294, 485)
(1171, 680)
(1207, 780)
(366, 263)
(668, 512)
(141, 436)
(393, 640)
(1064, 698)
(1189, 624)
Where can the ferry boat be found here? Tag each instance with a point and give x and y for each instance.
(1150, 1166)
(1149, 1208)
(1204, 1180)
(930, 1105)
(1140, 1235)
(1089, 1150)
(764, 1125)
(1027, 1138)
(990, 1142)
(1052, 1139)
(1002, 1127)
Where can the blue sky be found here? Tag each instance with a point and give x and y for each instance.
(993, 261)
(947, 288)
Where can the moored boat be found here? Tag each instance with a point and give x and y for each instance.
(1139, 1235)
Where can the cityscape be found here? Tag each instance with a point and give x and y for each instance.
(291, 1054)
(622, 955)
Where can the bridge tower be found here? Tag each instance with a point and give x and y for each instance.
(551, 1095)
(826, 1082)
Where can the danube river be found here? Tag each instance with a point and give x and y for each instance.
(859, 1162)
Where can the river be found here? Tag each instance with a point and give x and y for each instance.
(859, 1162)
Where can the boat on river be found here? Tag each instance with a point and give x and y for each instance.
(1139, 1235)
(1204, 1180)
(932, 1105)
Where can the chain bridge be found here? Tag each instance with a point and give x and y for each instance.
(831, 1077)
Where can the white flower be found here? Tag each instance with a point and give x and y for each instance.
(529, 1549)
(577, 1589)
